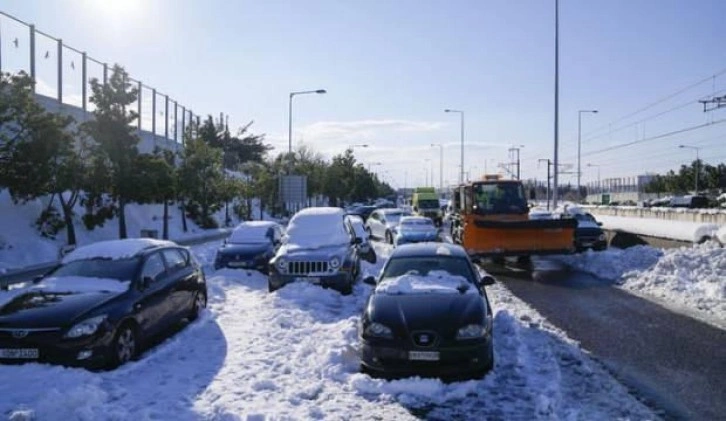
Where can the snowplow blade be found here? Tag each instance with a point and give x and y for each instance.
(486, 238)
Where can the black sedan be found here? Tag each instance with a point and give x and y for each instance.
(101, 304)
(250, 246)
(428, 315)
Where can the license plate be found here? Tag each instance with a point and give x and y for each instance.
(423, 355)
(587, 244)
(312, 280)
(19, 353)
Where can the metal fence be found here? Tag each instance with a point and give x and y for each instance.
(64, 73)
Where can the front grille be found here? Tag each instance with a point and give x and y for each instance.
(20, 337)
(305, 268)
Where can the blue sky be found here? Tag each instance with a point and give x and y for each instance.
(391, 67)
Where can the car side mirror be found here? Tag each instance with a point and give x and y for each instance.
(487, 280)
(146, 282)
(369, 280)
(599, 224)
(357, 240)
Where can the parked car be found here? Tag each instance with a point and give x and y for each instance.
(414, 229)
(365, 248)
(251, 245)
(362, 211)
(101, 303)
(428, 315)
(588, 234)
(320, 247)
(384, 222)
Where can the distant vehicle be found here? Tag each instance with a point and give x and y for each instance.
(101, 303)
(362, 211)
(690, 201)
(414, 229)
(383, 223)
(588, 234)
(425, 202)
(365, 248)
(250, 246)
(428, 315)
(319, 247)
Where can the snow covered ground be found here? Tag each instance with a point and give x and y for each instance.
(690, 280)
(293, 355)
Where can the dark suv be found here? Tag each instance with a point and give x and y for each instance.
(319, 247)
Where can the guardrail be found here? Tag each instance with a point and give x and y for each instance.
(28, 273)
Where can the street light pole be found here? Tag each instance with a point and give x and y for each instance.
(461, 113)
(579, 146)
(441, 165)
(289, 114)
(557, 101)
(698, 162)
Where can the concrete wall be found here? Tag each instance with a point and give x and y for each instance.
(712, 216)
(148, 139)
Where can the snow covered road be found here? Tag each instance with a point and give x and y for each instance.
(292, 355)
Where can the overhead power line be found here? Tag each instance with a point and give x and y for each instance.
(660, 136)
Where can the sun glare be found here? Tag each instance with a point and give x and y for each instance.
(118, 8)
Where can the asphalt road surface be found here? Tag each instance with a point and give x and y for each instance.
(675, 363)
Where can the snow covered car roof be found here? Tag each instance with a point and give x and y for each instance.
(251, 232)
(115, 249)
(314, 227)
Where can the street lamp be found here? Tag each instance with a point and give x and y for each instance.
(441, 165)
(513, 149)
(698, 162)
(461, 113)
(289, 122)
(599, 189)
(579, 146)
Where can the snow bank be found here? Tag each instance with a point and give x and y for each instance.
(674, 230)
(114, 249)
(721, 235)
(691, 280)
(436, 282)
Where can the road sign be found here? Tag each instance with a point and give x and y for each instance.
(293, 188)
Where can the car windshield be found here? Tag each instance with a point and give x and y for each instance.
(422, 265)
(428, 204)
(492, 198)
(119, 269)
(246, 234)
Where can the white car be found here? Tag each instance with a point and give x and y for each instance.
(383, 223)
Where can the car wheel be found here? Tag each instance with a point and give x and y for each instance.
(199, 304)
(125, 345)
(347, 289)
(270, 287)
(389, 237)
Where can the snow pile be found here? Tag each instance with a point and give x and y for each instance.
(114, 249)
(436, 282)
(689, 280)
(721, 235)
(612, 263)
(675, 230)
(693, 277)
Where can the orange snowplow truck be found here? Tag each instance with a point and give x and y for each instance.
(492, 220)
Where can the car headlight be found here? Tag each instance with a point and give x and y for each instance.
(335, 262)
(602, 237)
(378, 330)
(86, 327)
(281, 265)
(471, 332)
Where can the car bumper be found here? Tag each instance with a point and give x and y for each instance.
(338, 281)
(389, 360)
(95, 351)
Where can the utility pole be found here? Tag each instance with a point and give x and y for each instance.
(516, 162)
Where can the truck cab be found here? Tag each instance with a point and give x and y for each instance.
(425, 202)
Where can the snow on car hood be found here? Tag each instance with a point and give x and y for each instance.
(436, 282)
(81, 284)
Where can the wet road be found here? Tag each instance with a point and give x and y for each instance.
(677, 364)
